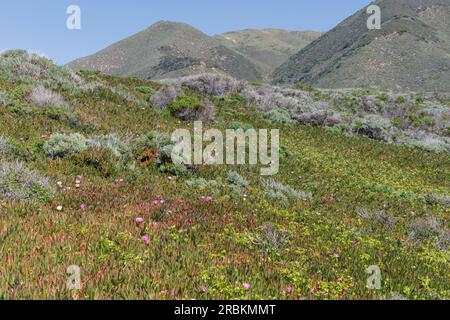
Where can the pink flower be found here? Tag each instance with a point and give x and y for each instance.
(207, 199)
(203, 289)
(162, 201)
(79, 178)
(289, 289)
(139, 220)
(246, 286)
(82, 206)
(146, 239)
(353, 243)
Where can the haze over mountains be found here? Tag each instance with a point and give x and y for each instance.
(410, 52)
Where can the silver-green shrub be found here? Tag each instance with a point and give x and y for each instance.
(17, 182)
(61, 145)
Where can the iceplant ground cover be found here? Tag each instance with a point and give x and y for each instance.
(86, 180)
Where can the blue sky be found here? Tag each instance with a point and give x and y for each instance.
(40, 25)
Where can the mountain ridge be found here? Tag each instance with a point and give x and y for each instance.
(168, 49)
(395, 56)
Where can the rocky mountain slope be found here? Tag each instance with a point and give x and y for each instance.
(410, 52)
(166, 50)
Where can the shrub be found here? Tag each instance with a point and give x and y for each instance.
(60, 145)
(429, 227)
(234, 99)
(203, 184)
(8, 149)
(189, 108)
(212, 84)
(4, 99)
(276, 100)
(43, 97)
(236, 179)
(317, 118)
(177, 170)
(279, 116)
(277, 191)
(101, 161)
(236, 125)
(165, 97)
(377, 219)
(271, 238)
(184, 102)
(441, 199)
(425, 228)
(145, 90)
(373, 126)
(145, 148)
(17, 182)
(119, 148)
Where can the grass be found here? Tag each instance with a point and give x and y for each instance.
(206, 246)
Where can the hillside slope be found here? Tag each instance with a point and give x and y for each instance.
(86, 179)
(166, 50)
(410, 52)
(269, 47)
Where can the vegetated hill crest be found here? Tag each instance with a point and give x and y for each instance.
(269, 48)
(410, 52)
(169, 49)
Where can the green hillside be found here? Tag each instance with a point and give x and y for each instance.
(85, 180)
(269, 48)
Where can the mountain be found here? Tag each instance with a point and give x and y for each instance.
(166, 50)
(269, 48)
(411, 51)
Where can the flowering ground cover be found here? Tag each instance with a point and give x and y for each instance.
(85, 180)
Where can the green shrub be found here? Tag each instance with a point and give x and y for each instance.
(203, 184)
(17, 182)
(8, 149)
(277, 191)
(234, 99)
(183, 103)
(119, 148)
(60, 145)
(100, 162)
(236, 125)
(280, 117)
(145, 90)
(177, 170)
(236, 179)
(383, 97)
(144, 146)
